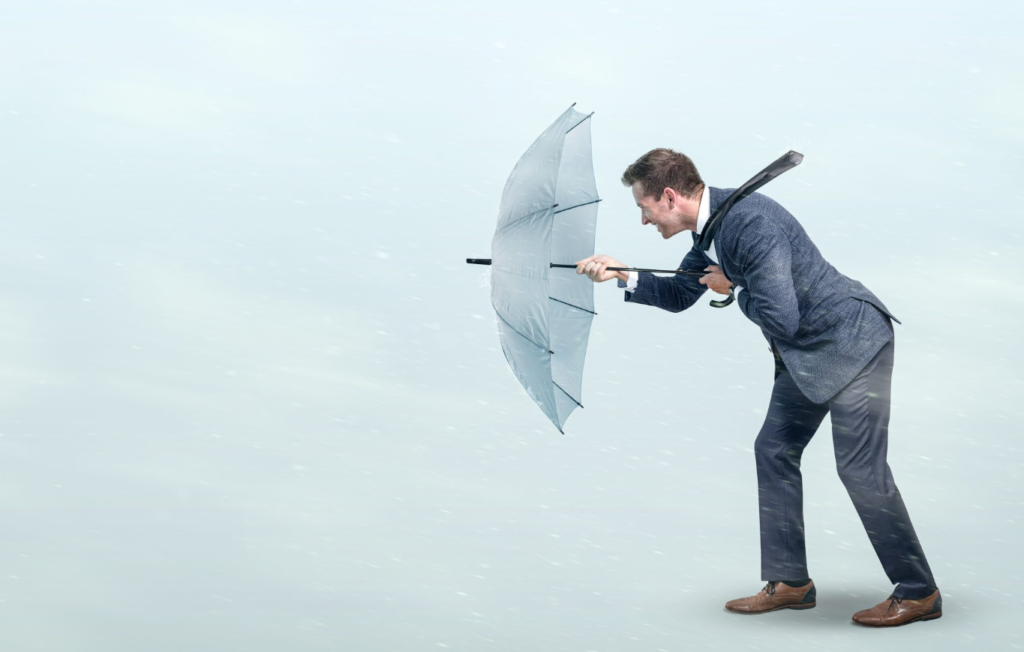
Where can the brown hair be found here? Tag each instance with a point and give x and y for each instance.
(664, 168)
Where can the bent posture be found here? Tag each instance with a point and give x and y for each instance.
(833, 343)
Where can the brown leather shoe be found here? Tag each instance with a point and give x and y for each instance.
(774, 596)
(895, 611)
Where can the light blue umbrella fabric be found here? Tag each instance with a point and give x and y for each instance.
(548, 213)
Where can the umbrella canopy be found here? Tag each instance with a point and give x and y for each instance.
(548, 212)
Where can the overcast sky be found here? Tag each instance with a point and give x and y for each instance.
(252, 397)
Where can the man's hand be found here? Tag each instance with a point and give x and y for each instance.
(715, 279)
(594, 268)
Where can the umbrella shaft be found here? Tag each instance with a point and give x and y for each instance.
(687, 272)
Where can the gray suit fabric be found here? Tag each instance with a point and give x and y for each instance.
(834, 347)
(860, 434)
(825, 325)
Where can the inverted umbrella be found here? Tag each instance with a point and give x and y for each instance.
(548, 212)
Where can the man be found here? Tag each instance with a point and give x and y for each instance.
(833, 343)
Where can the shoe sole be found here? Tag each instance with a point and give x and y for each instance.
(912, 620)
(809, 605)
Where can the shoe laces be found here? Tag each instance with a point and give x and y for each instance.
(893, 600)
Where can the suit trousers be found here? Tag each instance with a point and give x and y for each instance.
(860, 422)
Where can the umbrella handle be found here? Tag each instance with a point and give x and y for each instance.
(724, 302)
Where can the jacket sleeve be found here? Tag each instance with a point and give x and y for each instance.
(673, 293)
(769, 299)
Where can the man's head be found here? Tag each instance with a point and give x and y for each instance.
(667, 188)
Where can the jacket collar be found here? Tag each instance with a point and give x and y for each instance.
(718, 195)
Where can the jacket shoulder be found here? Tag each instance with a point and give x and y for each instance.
(745, 222)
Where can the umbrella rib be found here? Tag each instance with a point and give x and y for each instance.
(520, 334)
(574, 306)
(576, 206)
(567, 393)
(501, 228)
(576, 125)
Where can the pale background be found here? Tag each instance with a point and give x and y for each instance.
(252, 398)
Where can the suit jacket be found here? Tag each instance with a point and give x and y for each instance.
(825, 326)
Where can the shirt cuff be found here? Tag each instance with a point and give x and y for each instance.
(634, 278)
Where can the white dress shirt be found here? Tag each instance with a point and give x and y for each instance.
(703, 213)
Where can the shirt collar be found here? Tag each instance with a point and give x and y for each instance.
(704, 211)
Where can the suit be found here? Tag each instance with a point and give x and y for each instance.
(833, 342)
(825, 326)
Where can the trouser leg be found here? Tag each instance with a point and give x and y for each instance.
(860, 426)
(791, 422)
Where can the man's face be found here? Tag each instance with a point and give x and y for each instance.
(656, 212)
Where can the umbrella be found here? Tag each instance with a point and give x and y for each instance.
(548, 211)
